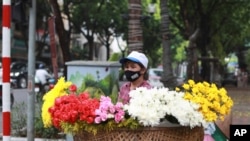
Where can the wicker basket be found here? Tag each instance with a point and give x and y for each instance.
(146, 134)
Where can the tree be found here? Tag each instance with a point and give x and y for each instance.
(20, 23)
(42, 29)
(216, 22)
(151, 32)
(167, 76)
(63, 34)
(88, 21)
(110, 23)
(135, 38)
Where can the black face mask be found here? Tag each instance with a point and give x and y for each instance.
(132, 75)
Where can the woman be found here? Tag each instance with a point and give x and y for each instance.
(135, 69)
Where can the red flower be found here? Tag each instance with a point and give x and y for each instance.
(73, 88)
(84, 96)
(52, 110)
(90, 120)
(58, 101)
(71, 108)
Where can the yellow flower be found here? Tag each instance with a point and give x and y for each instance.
(186, 86)
(191, 82)
(177, 89)
(195, 90)
(214, 102)
(188, 96)
(49, 98)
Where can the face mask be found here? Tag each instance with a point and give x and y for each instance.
(132, 75)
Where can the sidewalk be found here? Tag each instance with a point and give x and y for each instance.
(240, 113)
(241, 108)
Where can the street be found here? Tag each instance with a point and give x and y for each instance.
(20, 96)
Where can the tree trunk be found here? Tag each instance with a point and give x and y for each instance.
(192, 68)
(203, 44)
(91, 45)
(64, 36)
(168, 78)
(135, 42)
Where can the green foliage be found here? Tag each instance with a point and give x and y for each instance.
(18, 119)
(96, 87)
(86, 15)
(94, 91)
(213, 18)
(114, 92)
(217, 49)
(42, 132)
(113, 84)
(77, 78)
(74, 128)
(180, 48)
(107, 86)
(19, 122)
(156, 15)
(151, 33)
(78, 53)
(115, 57)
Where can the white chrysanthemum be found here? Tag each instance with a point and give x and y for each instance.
(149, 106)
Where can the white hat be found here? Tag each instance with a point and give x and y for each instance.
(137, 57)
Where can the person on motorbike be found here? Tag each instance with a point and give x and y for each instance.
(42, 75)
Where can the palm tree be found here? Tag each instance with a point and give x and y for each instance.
(135, 42)
(168, 78)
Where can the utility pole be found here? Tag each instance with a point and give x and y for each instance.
(6, 38)
(31, 72)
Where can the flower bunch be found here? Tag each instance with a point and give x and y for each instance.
(214, 102)
(72, 110)
(151, 106)
(148, 106)
(196, 105)
(49, 100)
(108, 110)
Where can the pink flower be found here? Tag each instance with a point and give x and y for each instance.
(108, 110)
(101, 114)
(105, 98)
(118, 105)
(112, 109)
(98, 120)
(119, 116)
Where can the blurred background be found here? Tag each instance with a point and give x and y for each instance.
(201, 40)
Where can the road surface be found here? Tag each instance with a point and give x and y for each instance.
(20, 96)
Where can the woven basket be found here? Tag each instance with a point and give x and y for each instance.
(146, 134)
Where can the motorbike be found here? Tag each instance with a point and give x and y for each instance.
(41, 89)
